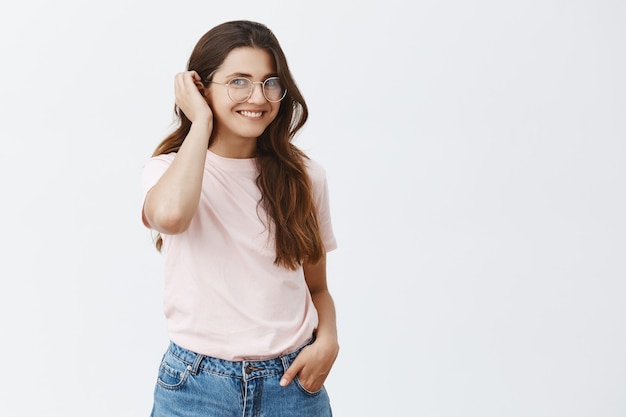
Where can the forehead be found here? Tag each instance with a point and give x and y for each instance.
(246, 60)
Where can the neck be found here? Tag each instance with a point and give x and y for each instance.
(239, 148)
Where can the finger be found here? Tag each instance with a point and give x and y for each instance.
(185, 85)
(290, 373)
(195, 76)
(192, 78)
(179, 82)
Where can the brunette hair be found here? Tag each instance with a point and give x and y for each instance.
(283, 180)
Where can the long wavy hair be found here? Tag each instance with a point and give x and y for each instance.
(283, 181)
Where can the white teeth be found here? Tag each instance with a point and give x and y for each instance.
(251, 113)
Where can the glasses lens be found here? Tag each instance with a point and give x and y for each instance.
(239, 89)
(273, 90)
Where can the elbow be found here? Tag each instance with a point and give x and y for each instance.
(166, 215)
(169, 222)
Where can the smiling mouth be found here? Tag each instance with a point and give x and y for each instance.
(255, 114)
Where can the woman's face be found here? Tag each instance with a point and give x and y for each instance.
(241, 123)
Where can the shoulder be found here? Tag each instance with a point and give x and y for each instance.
(315, 170)
(166, 158)
(159, 163)
(155, 167)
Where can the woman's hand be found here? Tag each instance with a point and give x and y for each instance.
(188, 89)
(312, 365)
(172, 202)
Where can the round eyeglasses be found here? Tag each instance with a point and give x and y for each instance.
(240, 89)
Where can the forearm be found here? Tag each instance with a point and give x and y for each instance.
(314, 363)
(172, 202)
(326, 332)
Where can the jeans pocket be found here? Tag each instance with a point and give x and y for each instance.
(173, 373)
(296, 380)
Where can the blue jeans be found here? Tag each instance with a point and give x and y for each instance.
(193, 385)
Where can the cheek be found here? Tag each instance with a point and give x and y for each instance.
(275, 110)
(219, 106)
(209, 98)
(214, 99)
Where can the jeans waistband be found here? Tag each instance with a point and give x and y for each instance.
(247, 369)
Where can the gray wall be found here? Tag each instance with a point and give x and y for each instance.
(476, 159)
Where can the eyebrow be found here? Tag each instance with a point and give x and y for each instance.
(243, 74)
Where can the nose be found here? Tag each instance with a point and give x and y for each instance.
(257, 96)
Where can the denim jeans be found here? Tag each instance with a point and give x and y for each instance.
(193, 385)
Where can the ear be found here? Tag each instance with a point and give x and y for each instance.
(203, 90)
(200, 86)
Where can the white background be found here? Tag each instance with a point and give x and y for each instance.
(476, 159)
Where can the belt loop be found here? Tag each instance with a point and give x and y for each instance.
(286, 362)
(196, 364)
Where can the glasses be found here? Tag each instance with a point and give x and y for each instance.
(240, 89)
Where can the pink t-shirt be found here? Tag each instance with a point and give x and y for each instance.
(224, 297)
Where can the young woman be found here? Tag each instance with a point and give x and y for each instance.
(242, 217)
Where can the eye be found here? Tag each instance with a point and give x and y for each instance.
(272, 83)
(239, 83)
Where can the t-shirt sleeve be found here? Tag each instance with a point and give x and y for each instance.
(152, 171)
(321, 198)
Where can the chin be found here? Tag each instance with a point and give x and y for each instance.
(252, 134)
